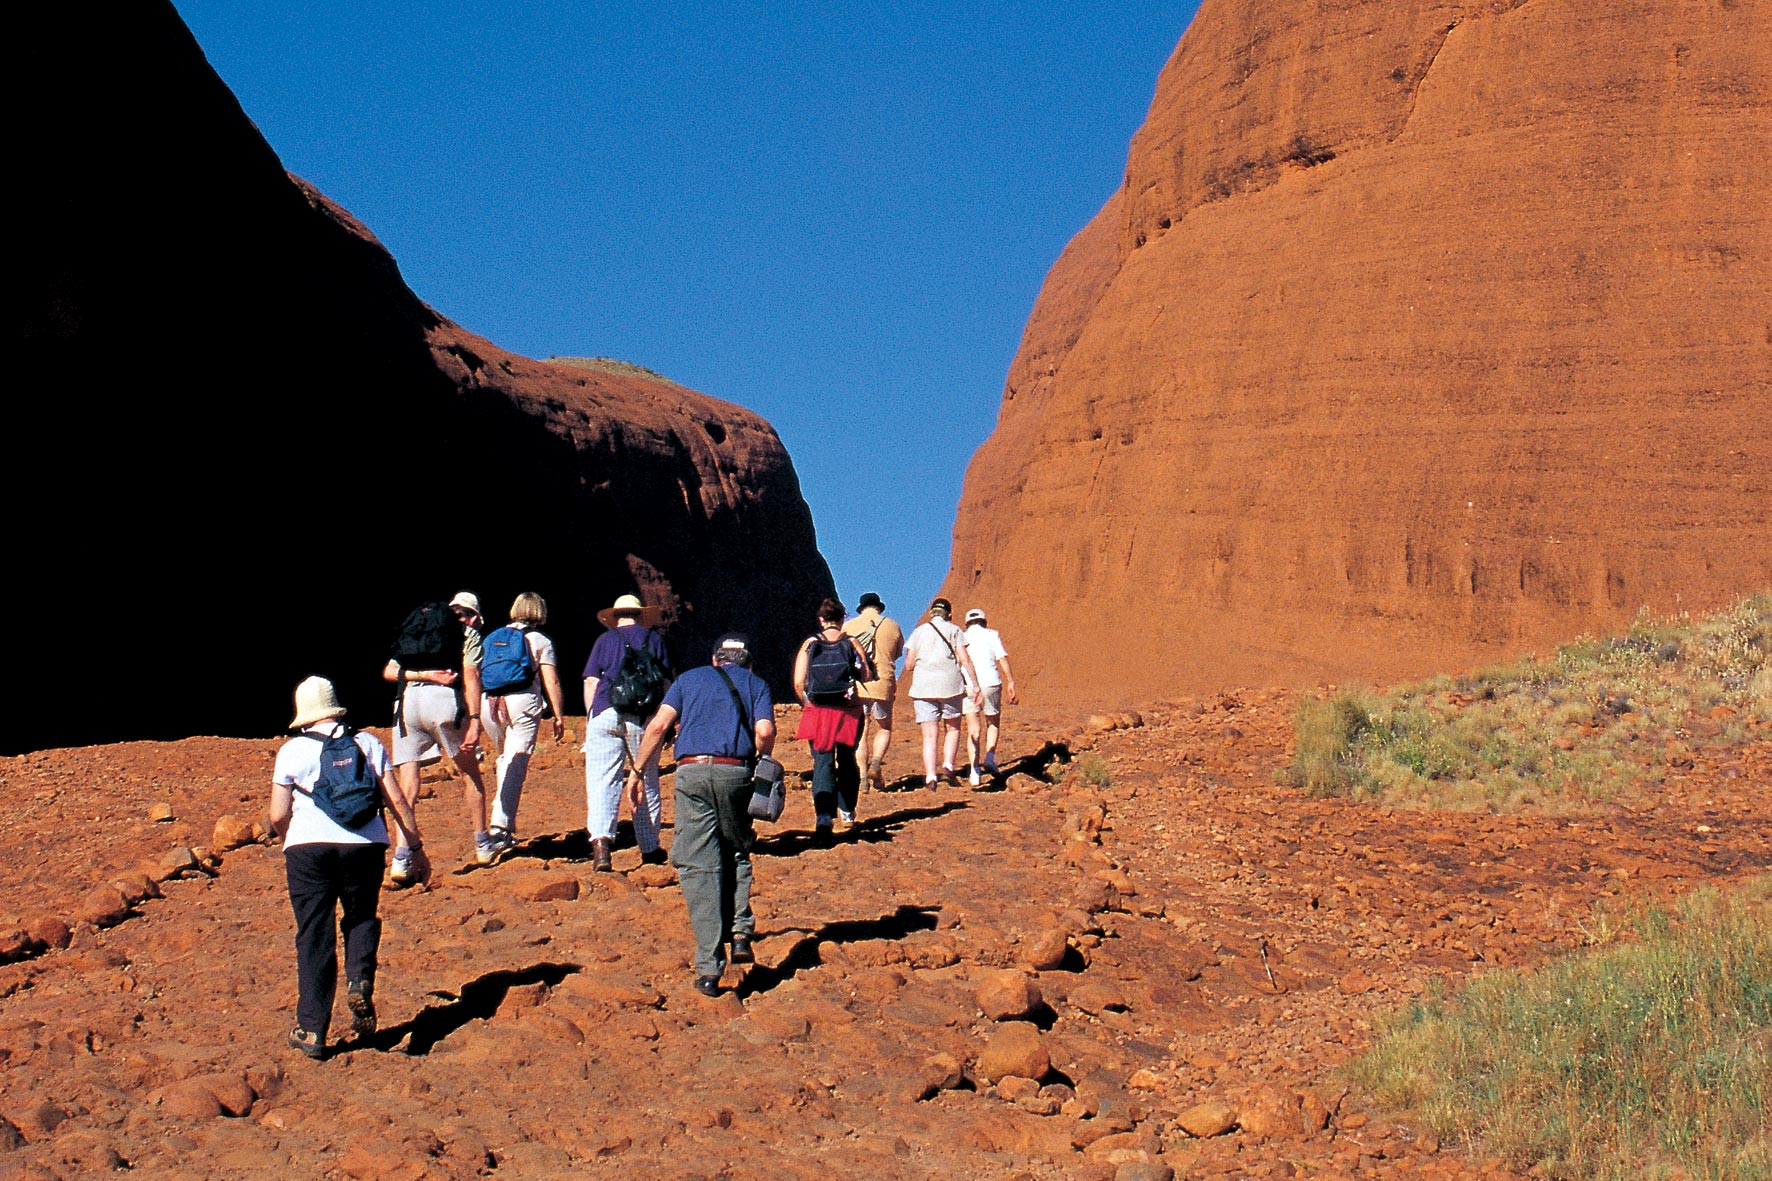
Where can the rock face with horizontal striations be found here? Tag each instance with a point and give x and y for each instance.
(1418, 335)
(236, 415)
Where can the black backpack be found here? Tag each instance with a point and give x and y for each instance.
(347, 792)
(832, 668)
(639, 685)
(431, 638)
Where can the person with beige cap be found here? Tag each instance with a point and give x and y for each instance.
(996, 684)
(436, 664)
(625, 680)
(328, 788)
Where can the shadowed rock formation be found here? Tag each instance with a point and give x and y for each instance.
(1418, 334)
(232, 420)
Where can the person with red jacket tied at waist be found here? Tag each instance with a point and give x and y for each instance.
(826, 672)
(725, 719)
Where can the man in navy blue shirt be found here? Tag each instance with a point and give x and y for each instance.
(725, 719)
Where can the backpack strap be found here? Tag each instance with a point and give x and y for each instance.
(744, 715)
(947, 643)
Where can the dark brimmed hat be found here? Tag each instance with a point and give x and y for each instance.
(869, 600)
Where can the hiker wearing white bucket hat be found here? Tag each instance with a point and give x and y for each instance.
(625, 680)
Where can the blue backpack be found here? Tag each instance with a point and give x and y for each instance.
(507, 665)
(347, 792)
(833, 668)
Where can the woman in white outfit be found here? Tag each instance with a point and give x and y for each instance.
(514, 719)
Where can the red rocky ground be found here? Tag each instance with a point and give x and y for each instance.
(1097, 951)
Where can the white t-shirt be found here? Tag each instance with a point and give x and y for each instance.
(985, 647)
(298, 765)
(937, 674)
(540, 647)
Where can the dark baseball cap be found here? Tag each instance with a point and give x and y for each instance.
(733, 646)
(943, 606)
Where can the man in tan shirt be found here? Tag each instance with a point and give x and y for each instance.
(883, 641)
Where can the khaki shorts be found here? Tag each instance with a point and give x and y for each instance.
(993, 702)
(431, 732)
(880, 711)
(930, 709)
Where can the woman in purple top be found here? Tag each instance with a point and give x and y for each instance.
(612, 736)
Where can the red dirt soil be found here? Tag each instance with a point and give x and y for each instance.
(562, 1037)
(1418, 335)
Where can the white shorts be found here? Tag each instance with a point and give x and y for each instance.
(880, 711)
(993, 702)
(431, 732)
(931, 708)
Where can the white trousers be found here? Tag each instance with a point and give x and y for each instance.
(515, 738)
(607, 737)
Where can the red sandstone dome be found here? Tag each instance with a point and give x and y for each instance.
(1418, 334)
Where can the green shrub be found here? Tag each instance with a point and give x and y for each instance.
(1566, 731)
(1648, 1056)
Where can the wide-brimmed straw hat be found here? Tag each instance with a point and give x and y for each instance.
(315, 701)
(628, 605)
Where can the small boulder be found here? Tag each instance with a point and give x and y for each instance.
(231, 832)
(190, 1098)
(1015, 1049)
(103, 906)
(178, 861)
(1097, 997)
(653, 877)
(1045, 952)
(1009, 996)
(161, 813)
(49, 931)
(941, 1072)
(10, 1136)
(1212, 1118)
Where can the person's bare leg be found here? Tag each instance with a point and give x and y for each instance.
(951, 744)
(473, 796)
(975, 739)
(992, 723)
(931, 739)
(882, 738)
(406, 780)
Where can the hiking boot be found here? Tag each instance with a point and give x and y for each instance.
(654, 857)
(950, 777)
(708, 985)
(741, 950)
(360, 999)
(502, 839)
(311, 1044)
(931, 782)
(600, 850)
(409, 867)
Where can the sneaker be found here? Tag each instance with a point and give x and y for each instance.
(402, 871)
(950, 777)
(741, 949)
(360, 999)
(972, 776)
(485, 852)
(311, 1044)
(501, 842)
(708, 985)
(845, 820)
(931, 782)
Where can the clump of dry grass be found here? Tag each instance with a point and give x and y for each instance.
(1582, 726)
(1648, 1056)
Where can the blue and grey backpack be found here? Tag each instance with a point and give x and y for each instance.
(507, 665)
(347, 791)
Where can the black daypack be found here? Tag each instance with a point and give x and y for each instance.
(430, 638)
(639, 685)
(833, 667)
(347, 791)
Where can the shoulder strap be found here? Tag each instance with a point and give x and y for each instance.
(744, 715)
(947, 643)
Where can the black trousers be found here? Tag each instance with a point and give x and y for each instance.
(835, 774)
(322, 878)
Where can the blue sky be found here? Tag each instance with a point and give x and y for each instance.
(838, 216)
